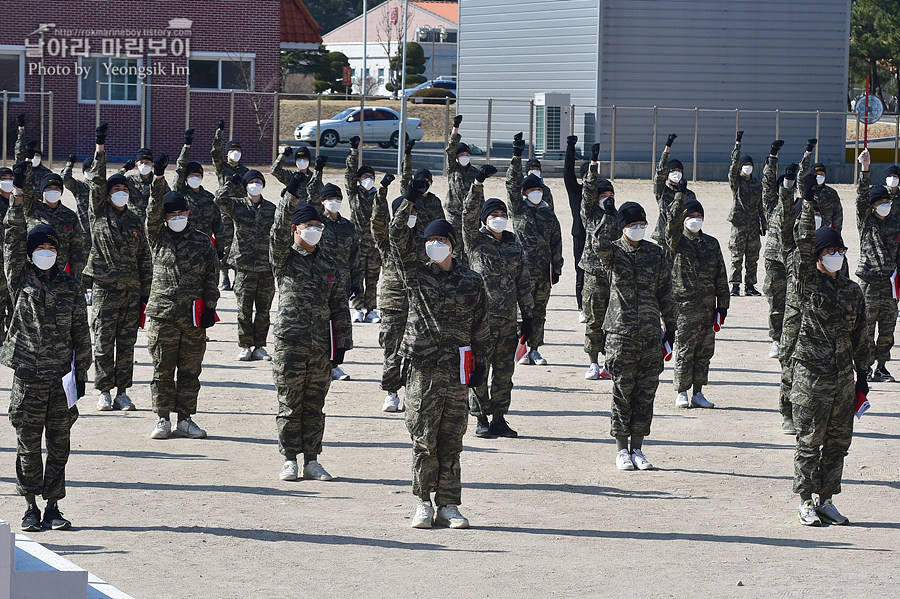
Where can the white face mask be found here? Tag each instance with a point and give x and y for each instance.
(693, 224)
(333, 206)
(120, 198)
(534, 172)
(367, 183)
(254, 189)
(463, 160)
(6, 185)
(832, 263)
(35, 162)
(675, 177)
(883, 209)
(747, 169)
(144, 168)
(43, 259)
(820, 179)
(177, 223)
(411, 221)
(535, 196)
(818, 221)
(234, 155)
(892, 181)
(787, 183)
(311, 235)
(51, 196)
(302, 164)
(88, 175)
(437, 251)
(194, 182)
(635, 233)
(497, 224)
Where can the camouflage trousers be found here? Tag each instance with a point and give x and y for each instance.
(175, 345)
(789, 333)
(744, 245)
(371, 263)
(823, 407)
(454, 217)
(595, 299)
(115, 316)
(436, 417)
(695, 344)
(578, 249)
(775, 287)
(540, 291)
(302, 382)
(881, 312)
(227, 239)
(390, 334)
(501, 361)
(635, 364)
(38, 408)
(253, 288)
(5, 308)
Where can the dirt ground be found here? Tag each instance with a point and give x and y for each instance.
(551, 515)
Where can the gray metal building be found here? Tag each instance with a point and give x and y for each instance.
(718, 55)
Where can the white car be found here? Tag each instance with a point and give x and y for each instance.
(381, 126)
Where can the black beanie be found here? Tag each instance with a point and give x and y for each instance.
(193, 167)
(489, 206)
(533, 163)
(440, 227)
(51, 179)
(604, 185)
(826, 237)
(304, 212)
(878, 192)
(117, 179)
(463, 148)
(40, 235)
(174, 202)
(253, 174)
(302, 152)
(629, 212)
(143, 154)
(395, 205)
(6, 171)
(746, 159)
(232, 145)
(87, 164)
(584, 169)
(330, 190)
(423, 173)
(693, 206)
(532, 182)
(818, 168)
(675, 165)
(365, 170)
(892, 170)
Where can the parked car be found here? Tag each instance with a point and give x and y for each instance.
(381, 126)
(447, 84)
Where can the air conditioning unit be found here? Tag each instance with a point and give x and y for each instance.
(552, 121)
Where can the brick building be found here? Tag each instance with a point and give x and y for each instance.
(146, 56)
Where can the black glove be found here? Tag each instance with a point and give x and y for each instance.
(209, 318)
(188, 137)
(572, 140)
(809, 187)
(298, 179)
(595, 152)
(339, 354)
(811, 144)
(722, 312)
(287, 151)
(129, 164)
(609, 206)
(236, 179)
(30, 149)
(518, 144)
(19, 169)
(739, 136)
(672, 137)
(79, 388)
(387, 179)
(354, 142)
(526, 328)
(221, 125)
(776, 145)
(456, 121)
(416, 190)
(790, 173)
(554, 277)
(160, 164)
(100, 133)
(355, 291)
(484, 172)
(669, 338)
(682, 185)
(862, 386)
(410, 145)
(21, 119)
(477, 375)
(321, 161)
(71, 158)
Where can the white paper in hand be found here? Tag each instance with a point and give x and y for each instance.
(70, 386)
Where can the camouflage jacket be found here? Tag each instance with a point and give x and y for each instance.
(447, 309)
(826, 197)
(459, 181)
(313, 189)
(65, 221)
(82, 194)
(252, 223)
(36, 173)
(341, 242)
(640, 285)
(392, 295)
(895, 202)
(361, 201)
(788, 233)
(185, 265)
(536, 227)
(664, 192)
(120, 254)
(140, 192)
(879, 239)
(49, 321)
(699, 277)
(224, 169)
(428, 206)
(833, 338)
(591, 217)
(770, 206)
(747, 210)
(500, 262)
(312, 303)
(205, 216)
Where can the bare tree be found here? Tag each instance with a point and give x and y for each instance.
(260, 99)
(371, 83)
(390, 38)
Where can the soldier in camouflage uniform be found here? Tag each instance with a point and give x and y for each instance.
(892, 182)
(575, 191)
(460, 175)
(47, 336)
(205, 215)
(879, 258)
(82, 193)
(185, 269)
(495, 254)
(428, 206)
(6, 188)
(121, 270)
(359, 182)
(537, 230)
(775, 284)
(748, 221)
(448, 311)
(533, 167)
(700, 292)
(827, 200)
(48, 208)
(139, 183)
(254, 283)
(227, 163)
(833, 343)
(665, 184)
(312, 189)
(640, 297)
(312, 330)
(29, 152)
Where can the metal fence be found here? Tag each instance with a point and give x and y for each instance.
(45, 119)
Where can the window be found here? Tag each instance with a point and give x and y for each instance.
(220, 73)
(118, 80)
(381, 76)
(12, 73)
(385, 115)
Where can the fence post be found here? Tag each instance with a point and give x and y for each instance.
(896, 138)
(612, 154)
(655, 133)
(446, 121)
(5, 123)
(531, 129)
(696, 139)
(231, 115)
(276, 126)
(818, 125)
(737, 121)
(572, 120)
(187, 105)
(143, 108)
(777, 123)
(489, 114)
(856, 153)
(41, 138)
(318, 122)
(97, 105)
(49, 129)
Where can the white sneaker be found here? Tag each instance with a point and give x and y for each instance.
(526, 360)
(424, 517)
(807, 514)
(623, 460)
(538, 358)
(314, 471)
(604, 374)
(187, 428)
(260, 353)
(373, 317)
(830, 514)
(123, 402)
(339, 375)
(449, 515)
(357, 316)
(700, 401)
(289, 470)
(162, 430)
(639, 461)
(245, 355)
(391, 403)
(581, 317)
(104, 403)
(773, 352)
(682, 401)
(593, 372)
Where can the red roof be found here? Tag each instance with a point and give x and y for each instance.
(445, 10)
(298, 26)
